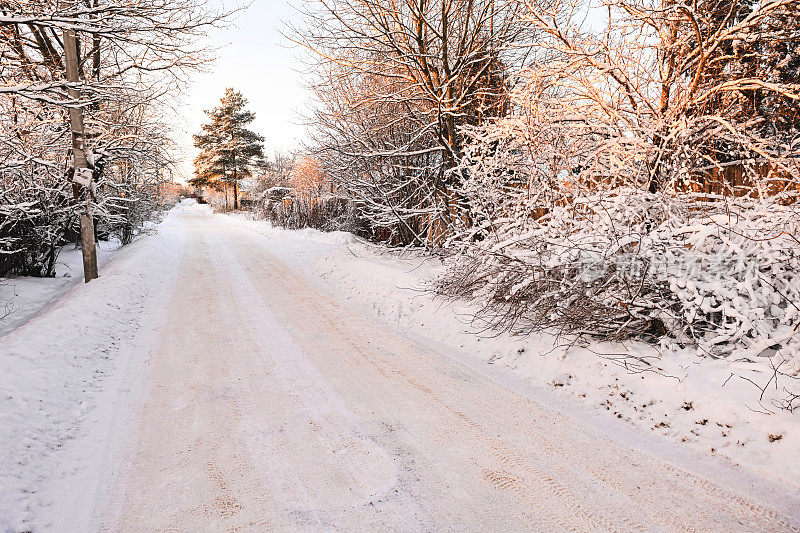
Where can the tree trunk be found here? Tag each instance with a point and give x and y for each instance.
(235, 186)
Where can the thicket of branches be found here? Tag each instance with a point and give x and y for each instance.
(627, 169)
(131, 54)
(398, 82)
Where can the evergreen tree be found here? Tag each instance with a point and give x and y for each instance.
(228, 150)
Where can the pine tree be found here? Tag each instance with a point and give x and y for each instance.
(228, 150)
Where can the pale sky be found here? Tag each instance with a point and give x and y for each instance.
(258, 61)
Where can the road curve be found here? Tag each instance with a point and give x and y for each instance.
(273, 407)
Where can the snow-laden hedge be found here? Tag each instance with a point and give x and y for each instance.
(35, 221)
(723, 276)
(284, 208)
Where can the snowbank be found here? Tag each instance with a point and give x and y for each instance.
(60, 391)
(702, 403)
(22, 297)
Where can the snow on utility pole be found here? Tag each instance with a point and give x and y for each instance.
(82, 173)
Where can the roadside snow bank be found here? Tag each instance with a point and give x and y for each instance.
(706, 404)
(22, 297)
(61, 373)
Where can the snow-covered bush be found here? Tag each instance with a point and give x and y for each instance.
(628, 263)
(721, 277)
(40, 215)
(128, 201)
(328, 213)
(39, 211)
(561, 231)
(35, 194)
(36, 218)
(266, 199)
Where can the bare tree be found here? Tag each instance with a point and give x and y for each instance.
(308, 178)
(120, 43)
(419, 70)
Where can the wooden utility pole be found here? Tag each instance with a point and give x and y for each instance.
(82, 173)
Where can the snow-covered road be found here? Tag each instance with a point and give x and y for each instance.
(273, 406)
(249, 398)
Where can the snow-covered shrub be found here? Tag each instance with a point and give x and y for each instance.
(633, 263)
(39, 215)
(329, 213)
(35, 221)
(128, 210)
(39, 208)
(723, 278)
(546, 244)
(35, 195)
(268, 198)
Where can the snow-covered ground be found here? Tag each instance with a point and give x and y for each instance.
(66, 367)
(701, 403)
(22, 297)
(206, 370)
